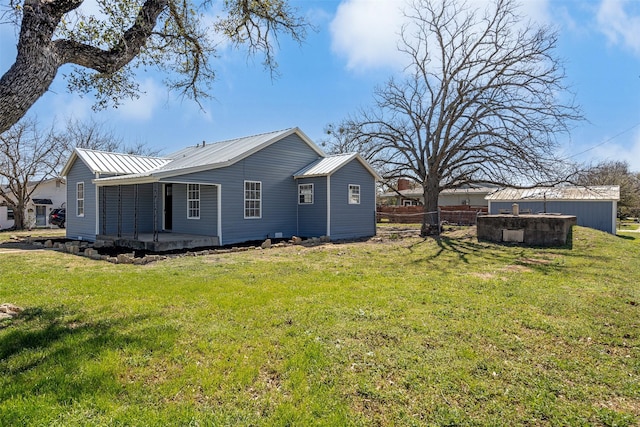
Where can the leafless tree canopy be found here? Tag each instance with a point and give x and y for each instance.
(95, 135)
(170, 35)
(483, 100)
(28, 155)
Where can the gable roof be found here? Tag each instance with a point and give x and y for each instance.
(225, 153)
(328, 165)
(104, 162)
(209, 156)
(590, 193)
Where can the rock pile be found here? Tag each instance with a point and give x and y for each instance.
(9, 311)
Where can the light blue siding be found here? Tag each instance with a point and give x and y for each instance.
(352, 220)
(597, 214)
(222, 200)
(207, 224)
(274, 167)
(81, 227)
(312, 218)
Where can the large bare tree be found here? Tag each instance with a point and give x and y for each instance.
(28, 156)
(95, 135)
(172, 35)
(483, 100)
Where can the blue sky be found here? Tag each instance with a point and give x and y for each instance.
(336, 69)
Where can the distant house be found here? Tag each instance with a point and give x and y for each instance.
(410, 194)
(273, 185)
(594, 206)
(48, 195)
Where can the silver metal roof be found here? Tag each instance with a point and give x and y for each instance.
(601, 192)
(328, 165)
(209, 156)
(224, 153)
(325, 166)
(130, 169)
(118, 163)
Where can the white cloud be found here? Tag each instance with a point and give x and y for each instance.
(143, 108)
(537, 11)
(366, 32)
(628, 151)
(619, 20)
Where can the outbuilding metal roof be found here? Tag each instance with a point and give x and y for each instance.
(601, 192)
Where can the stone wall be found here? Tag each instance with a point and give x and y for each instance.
(530, 230)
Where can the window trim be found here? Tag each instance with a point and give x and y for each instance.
(193, 212)
(300, 194)
(79, 199)
(11, 214)
(352, 194)
(246, 200)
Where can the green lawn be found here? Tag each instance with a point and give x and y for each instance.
(400, 332)
(628, 226)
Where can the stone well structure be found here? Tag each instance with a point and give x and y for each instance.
(530, 230)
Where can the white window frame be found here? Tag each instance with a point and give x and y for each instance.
(252, 204)
(302, 195)
(80, 198)
(193, 201)
(354, 196)
(11, 215)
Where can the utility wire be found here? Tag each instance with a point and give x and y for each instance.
(605, 141)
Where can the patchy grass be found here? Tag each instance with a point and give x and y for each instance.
(402, 331)
(49, 233)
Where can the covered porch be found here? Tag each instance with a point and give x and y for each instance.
(152, 216)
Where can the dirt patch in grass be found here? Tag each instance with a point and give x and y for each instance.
(516, 268)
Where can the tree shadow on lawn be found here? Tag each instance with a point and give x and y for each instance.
(463, 248)
(509, 254)
(42, 352)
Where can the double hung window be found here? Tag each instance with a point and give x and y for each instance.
(252, 199)
(80, 199)
(305, 194)
(354, 194)
(193, 201)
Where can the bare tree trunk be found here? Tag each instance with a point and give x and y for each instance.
(18, 217)
(430, 223)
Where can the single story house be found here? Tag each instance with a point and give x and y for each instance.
(593, 206)
(48, 195)
(410, 194)
(273, 185)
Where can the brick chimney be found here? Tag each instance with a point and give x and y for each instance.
(403, 184)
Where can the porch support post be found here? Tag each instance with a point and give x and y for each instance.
(135, 211)
(104, 209)
(119, 210)
(328, 206)
(219, 214)
(155, 211)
